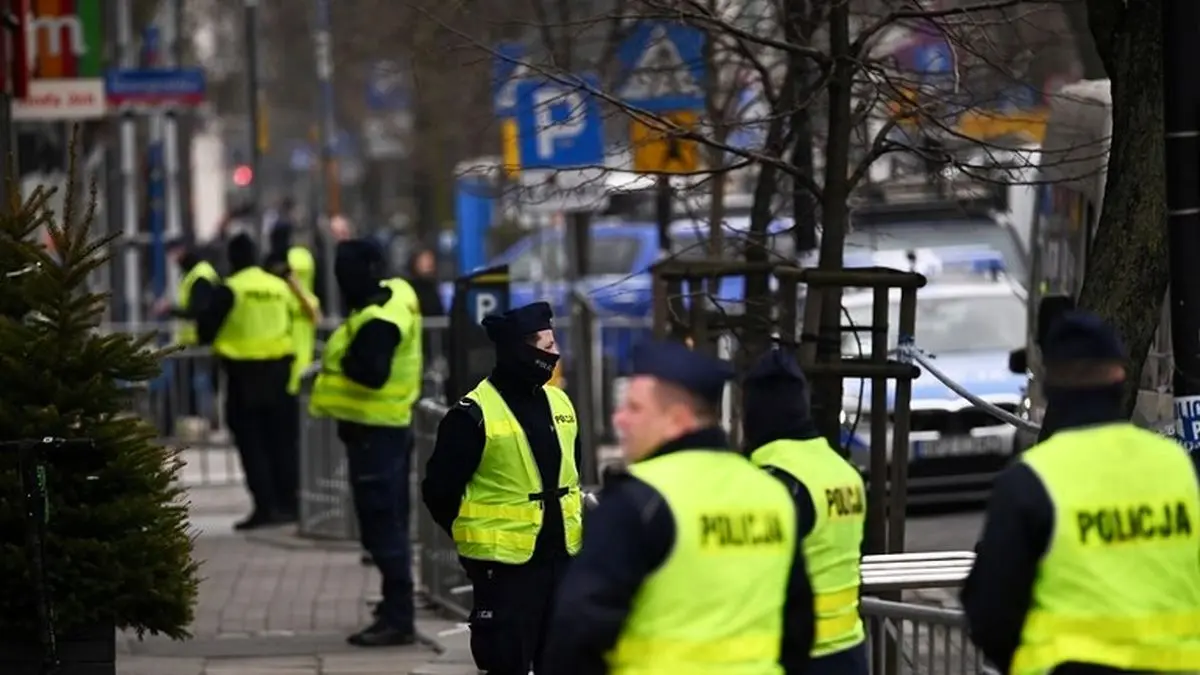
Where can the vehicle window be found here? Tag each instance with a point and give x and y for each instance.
(690, 245)
(948, 325)
(548, 259)
(982, 234)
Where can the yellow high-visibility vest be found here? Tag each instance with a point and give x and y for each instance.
(185, 333)
(1119, 585)
(833, 549)
(337, 396)
(499, 519)
(259, 327)
(716, 604)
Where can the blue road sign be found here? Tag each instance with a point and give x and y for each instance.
(184, 86)
(386, 89)
(662, 67)
(558, 125)
(507, 72)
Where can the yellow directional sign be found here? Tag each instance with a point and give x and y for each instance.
(511, 154)
(659, 150)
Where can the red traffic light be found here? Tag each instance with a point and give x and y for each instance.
(242, 176)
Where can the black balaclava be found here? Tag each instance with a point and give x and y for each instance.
(512, 333)
(1082, 336)
(242, 252)
(358, 268)
(775, 402)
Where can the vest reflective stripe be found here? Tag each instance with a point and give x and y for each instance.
(1118, 585)
(716, 603)
(185, 333)
(337, 396)
(498, 520)
(304, 338)
(300, 261)
(259, 327)
(833, 549)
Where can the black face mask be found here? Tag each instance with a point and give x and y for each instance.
(528, 363)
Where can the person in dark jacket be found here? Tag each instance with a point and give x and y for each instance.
(666, 581)
(510, 420)
(1050, 590)
(422, 275)
(252, 311)
(780, 437)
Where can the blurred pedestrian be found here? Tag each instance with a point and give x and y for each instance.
(503, 482)
(691, 561)
(422, 274)
(1088, 560)
(249, 324)
(369, 382)
(830, 502)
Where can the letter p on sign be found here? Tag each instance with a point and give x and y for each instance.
(571, 118)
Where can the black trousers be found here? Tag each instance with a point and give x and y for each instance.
(263, 431)
(379, 459)
(511, 615)
(851, 661)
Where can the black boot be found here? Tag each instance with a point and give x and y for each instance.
(382, 634)
(257, 519)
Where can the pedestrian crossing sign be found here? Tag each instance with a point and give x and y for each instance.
(658, 148)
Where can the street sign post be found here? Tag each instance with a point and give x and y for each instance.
(472, 355)
(558, 125)
(663, 71)
(662, 67)
(658, 150)
(508, 70)
(560, 134)
(155, 86)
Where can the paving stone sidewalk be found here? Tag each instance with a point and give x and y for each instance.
(281, 610)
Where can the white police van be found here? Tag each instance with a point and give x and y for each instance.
(968, 324)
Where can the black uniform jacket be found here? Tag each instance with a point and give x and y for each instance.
(627, 537)
(368, 358)
(998, 593)
(459, 450)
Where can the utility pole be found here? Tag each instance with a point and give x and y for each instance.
(1181, 94)
(327, 193)
(250, 25)
(131, 240)
(173, 153)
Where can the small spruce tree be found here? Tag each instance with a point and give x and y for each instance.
(119, 548)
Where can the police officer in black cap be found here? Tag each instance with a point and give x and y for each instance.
(692, 561)
(503, 481)
(1088, 559)
(830, 502)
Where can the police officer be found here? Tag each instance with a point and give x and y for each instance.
(503, 481)
(691, 562)
(195, 289)
(249, 324)
(369, 380)
(830, 504)
(1088, 561)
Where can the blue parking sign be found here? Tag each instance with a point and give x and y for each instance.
(559, 124)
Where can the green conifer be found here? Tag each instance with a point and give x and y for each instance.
(119, 548)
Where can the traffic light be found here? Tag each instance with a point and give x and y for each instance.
(243, 176)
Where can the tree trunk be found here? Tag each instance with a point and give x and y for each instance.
(1127, 272)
